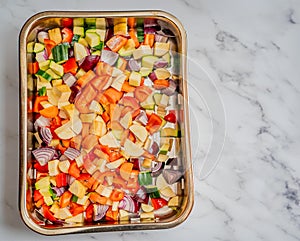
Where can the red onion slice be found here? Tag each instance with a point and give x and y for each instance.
(142, 118)
(101, 211)
(46, 135)
(161, 64)
(150, 30)
(129, 204)
(59, 191)
(109, 57)
(141, 195)
(152, 76)
(150, 22)
(154, 149)
(157, 169)
(134, 65)
(71, 153)
(43, 155)
(170, 90)
(89, 62)
(172, 176)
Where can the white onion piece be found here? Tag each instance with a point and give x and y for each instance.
(46, 135)
(71, 153)
(42, 36)
(142, 118)
(41, 122)
(163, 212)
(161, 38)
(109, 57)
(69, 79)
(43, 155)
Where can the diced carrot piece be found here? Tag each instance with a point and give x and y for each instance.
(112, 95)
(49, 44)
(74, 170)
(149, 39)
(116, 42)
(125, 170)
(76, 209)
(65, 199)
(39, 203)
(96, 198)
(133, 36)
(126, 87)
(49, 112)
(116, 195)
(66, 143)
(111, 215)
(131, 22)
(87, 77)
(160, 84)
(105, 117)
(33, 67)
(38, 100)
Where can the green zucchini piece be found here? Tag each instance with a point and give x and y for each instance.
(44, 75)
(60, 53)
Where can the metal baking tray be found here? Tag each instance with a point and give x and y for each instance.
(30, 216)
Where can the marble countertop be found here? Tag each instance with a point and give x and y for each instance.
(243, 68)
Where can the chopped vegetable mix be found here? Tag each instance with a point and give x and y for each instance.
(105, 131)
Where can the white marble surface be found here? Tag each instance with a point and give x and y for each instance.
(251, 50)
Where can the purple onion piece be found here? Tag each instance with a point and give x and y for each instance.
(41, 122)
(142, 118)
(154, 149)
(172, 162)
(157, 169)
(150, 30)
(171, 176)
(150, 22)
(70, 179)
(141, 195)
(129, 204)
(69, 79)
(134, 65)
(109, 57)
(71, 52)
(43, 155)
(160, 64)
(161, 38)
(45, 55)
(152, 76)
(46, 135)
(59, 190)
(171, 89)
(99, 212)
(71, 153)
(89, 62)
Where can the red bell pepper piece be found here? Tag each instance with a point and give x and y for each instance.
(47, 213)
(158, 203)
(154, 123)
(49, 44)
(37, 195)
(171, 117)
(67, 35)
(40, 168)
(89, 212)
(61, 180)
(74, 170)
(70, 66)
(67, 22)
(84, 177)
(65, 199)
